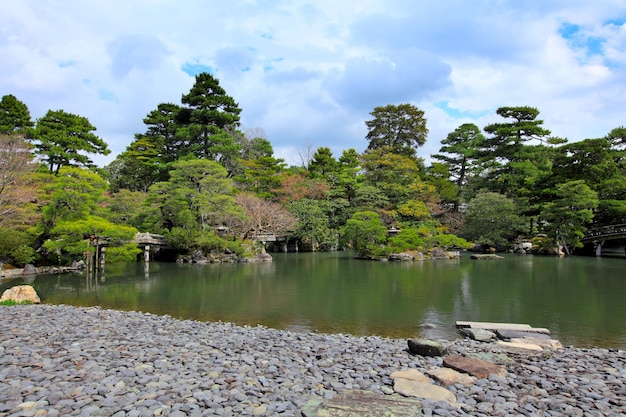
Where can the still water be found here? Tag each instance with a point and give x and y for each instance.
(581, 300)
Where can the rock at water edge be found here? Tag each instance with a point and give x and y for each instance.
(424, 347)
(20, 294)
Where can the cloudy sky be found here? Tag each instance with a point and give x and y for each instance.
(310, 72)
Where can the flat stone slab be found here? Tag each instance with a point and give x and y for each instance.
(518, 346)
(411, 374)
(500, 326)
(448, 376)
(481, 335)
(426, 391)
(358, 403)
(472, 366)
(507, 334)
(543, 342)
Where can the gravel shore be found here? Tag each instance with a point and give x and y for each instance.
(61, 360)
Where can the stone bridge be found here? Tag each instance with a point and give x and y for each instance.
(599, 235)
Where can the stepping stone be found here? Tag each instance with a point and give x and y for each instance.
(423, 390)
(543, 342)
(500, 326)
(481, 335)
(425, 347)
(448, 376)
(475, 367)
(413, 383)
(507, 334)
(357, 403)
(513, 346)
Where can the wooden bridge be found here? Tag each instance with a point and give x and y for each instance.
(150, 243)
(598, 236)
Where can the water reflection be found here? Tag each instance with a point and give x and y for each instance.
(579, 299)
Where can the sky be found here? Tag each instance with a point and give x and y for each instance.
(307, 74)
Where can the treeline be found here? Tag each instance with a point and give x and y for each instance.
(210, 187)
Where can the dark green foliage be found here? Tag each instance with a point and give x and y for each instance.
(570, 211)
(402, 128)
(14, 115)
(64, 139)
(17, 245)
(365, 233)
(493, 220)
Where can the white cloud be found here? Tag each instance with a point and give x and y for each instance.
(311, 72)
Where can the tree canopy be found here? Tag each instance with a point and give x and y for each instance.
(401, 127)
(63, 139)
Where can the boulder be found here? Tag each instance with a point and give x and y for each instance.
(402, 257)
(425, 347)
(438, 253)
(357, 403)
(20, 294)
(475, 367)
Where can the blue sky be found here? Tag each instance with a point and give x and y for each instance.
(308, 73)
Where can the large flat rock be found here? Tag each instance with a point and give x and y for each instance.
(357, 403)
(501, 326)
(474, 367)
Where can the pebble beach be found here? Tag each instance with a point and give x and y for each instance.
(71, 361)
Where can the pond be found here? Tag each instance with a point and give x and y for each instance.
(580, 299)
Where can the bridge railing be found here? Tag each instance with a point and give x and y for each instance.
(606, 231)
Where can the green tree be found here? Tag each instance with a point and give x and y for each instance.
(208, 119)
(438, 175)
(601, 164)
(198, 196)
(397, 176)
(63, 139)
(401, 128)
(492, 219)
(72, 224)
(261, 175)
(460, 152)
(87, 235)
(14, 115)
(569, 213)
(365, 233)
(313, 226)
(323, 165)
(73, 194)
(512, 163)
